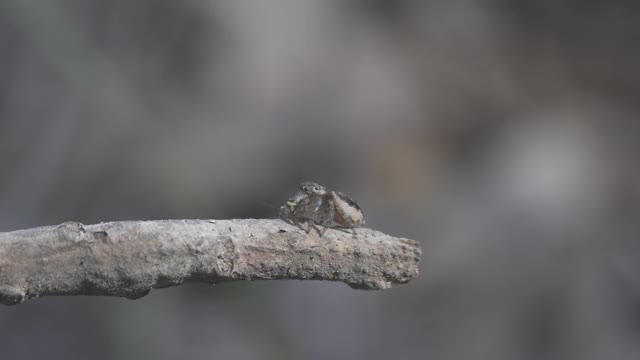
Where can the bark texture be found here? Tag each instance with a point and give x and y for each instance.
(130, 258)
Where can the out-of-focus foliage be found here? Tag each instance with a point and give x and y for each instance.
(503, 135)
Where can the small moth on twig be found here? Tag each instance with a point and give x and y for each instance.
(314, 205)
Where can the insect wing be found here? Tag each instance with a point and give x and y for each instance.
(348, 212)
(347, 199)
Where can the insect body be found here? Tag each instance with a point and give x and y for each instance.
(313, 204)
(347, 212)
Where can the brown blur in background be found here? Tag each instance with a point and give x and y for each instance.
(503, 135)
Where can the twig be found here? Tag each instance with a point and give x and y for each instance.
(130, 258)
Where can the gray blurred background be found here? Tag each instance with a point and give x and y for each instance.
(503, 135)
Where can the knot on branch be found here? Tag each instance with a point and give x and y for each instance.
(72, 231)
(11, 295)
(226, 256)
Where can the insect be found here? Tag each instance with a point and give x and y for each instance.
(314, 204)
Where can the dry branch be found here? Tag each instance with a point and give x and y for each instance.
(130, 258)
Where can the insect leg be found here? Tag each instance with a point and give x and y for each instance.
(328, 213)
(312, 225)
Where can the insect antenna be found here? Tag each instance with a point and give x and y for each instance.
(269, 205)
(277, 210)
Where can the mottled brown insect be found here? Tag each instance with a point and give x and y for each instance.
(314, 205)
(347, 212)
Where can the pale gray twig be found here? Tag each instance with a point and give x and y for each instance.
(130, 258)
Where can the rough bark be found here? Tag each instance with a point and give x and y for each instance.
(130, 258)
